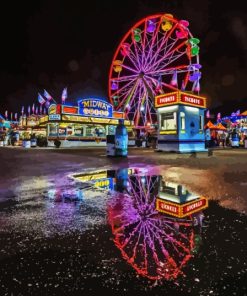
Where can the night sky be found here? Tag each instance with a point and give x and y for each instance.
(52, 44)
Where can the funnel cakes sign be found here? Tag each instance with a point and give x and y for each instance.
(95, 107)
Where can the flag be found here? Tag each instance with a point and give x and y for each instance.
(47, 104)
(6, 114)
(29, 110)
(47, 95)
(208, 114)
(11, 116)
(218, 116)
(64, 94)
(15, 116)
(41, 99)
(22, 110)
(33, 108)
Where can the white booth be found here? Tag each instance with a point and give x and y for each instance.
(180, 122)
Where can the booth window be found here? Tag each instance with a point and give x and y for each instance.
(182, 120)
(168, 121)
(201, 122)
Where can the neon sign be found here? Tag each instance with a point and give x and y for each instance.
(95, 107)
(193, 100)
(168, 99)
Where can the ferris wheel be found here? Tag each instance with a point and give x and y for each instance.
(157, 55)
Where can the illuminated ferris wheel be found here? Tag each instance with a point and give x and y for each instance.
(156, 246)
(157, 55)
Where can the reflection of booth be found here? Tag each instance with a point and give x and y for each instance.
(181, 122)
(176, 200)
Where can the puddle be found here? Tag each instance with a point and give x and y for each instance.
(155, 224)
(128, 229)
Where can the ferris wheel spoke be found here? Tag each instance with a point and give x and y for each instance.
(128, 96)
(125, 89)
(165, 49)
(162, 43)
(156, 82)
(140, 102)
(171, 52)
(130, 68)
(168, 71)
(152, 42)
(131, 57)
(125, 78)
(144, 42)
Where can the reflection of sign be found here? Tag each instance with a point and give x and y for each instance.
(168, 99)
(195, 206)
(183, 210)
(54, 117)
(95, 107)
(192, 100)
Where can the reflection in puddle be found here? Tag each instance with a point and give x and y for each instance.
(156, 225)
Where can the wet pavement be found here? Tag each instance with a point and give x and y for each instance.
(75, 230)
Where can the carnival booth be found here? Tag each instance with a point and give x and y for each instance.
(180, 122)
(86, 124)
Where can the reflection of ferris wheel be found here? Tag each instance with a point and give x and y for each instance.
(156, 246)
(157, 55)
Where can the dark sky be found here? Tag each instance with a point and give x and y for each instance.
(53, 43)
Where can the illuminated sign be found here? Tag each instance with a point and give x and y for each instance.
(166, 99)
(192, 100)
(95, 107)
(70, 110)
(179, 98)
(83, 119)
(54, 117)
(183, 210)
(54, 109)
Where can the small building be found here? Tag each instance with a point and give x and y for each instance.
(85, 124)
(180, 122)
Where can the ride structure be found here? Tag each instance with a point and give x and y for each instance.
(157, 55)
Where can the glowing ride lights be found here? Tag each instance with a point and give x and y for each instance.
(157, 55)
(155, 245)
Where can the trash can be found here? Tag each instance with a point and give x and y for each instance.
(33, 143)
(110, 145)
(26, 144)
(121, 139)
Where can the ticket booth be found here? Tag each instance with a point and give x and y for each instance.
(180, 122)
